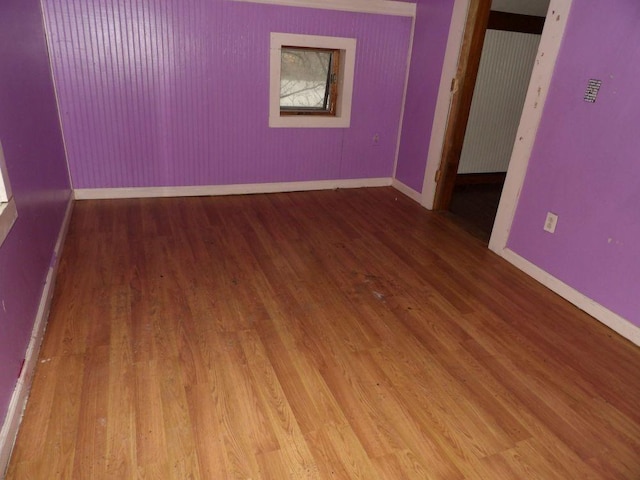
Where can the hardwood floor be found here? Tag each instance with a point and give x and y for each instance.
(320, 335)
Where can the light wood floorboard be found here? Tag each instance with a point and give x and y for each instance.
(317, 335)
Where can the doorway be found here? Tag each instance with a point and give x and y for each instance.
(496, 61)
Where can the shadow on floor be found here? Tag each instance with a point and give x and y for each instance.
(474, 208)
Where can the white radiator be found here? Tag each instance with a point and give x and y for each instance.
(505, 69)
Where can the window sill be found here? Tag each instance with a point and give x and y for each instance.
(8, 216)
(308, 121)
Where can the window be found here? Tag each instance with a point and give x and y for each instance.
(308, 81)
(8, 212)
(311, 81)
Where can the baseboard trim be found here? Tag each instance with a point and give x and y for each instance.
(217, 190)
(408, 191)
(20, 394)
(612, 320)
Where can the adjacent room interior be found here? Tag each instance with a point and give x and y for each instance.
(225, 250)
(506, 58)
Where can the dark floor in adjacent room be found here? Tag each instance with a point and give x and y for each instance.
(474, 208)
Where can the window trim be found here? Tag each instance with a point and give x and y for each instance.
(8, 210)
(342, 117)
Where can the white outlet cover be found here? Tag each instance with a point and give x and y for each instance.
(551, 222)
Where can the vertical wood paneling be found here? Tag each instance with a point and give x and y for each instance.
(503, 78)
(34, 157)
(584, 166)
(432, 24)
(176, 93)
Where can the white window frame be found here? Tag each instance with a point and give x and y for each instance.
(8, 211)
(342, 118)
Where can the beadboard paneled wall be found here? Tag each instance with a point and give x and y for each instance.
(433, 19)
(503, 78)
(174, 93)
(584, 165)
(34, 156)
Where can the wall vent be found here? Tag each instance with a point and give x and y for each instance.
(592, 90)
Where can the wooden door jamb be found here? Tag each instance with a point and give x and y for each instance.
(462, 93)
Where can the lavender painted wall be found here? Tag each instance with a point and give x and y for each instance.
(34, 153)
(174, 92)
(584, 166)
(430, 41)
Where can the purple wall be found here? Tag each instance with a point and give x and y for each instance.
(34, 153)
(585, 167)
(175, 92)
(429, 44)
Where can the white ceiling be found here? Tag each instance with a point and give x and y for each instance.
(523, 7)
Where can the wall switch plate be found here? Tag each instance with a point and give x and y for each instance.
(551, 222)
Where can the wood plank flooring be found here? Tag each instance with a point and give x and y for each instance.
(320, 335)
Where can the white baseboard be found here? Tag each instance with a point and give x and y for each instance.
(21, 392)
(408, 191)
(216, 190)
(612, 320)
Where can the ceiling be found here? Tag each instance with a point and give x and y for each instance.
(523, 7)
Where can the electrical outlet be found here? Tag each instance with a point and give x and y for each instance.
(551, 222)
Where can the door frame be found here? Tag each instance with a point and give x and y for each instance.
(462, 88)
(541, 75)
